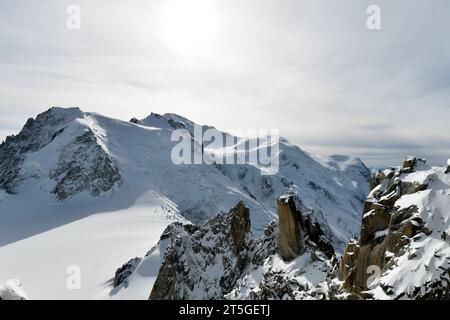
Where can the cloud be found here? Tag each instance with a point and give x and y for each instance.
(311, 69)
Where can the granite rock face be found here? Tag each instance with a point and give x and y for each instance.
(205, 261)
(125, 271)
(289, 239)
(84, 165)
(393, 232)
(299, 225)
(215, 260)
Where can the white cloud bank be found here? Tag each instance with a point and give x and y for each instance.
(310, 68)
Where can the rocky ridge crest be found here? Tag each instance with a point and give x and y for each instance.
(220, 259)
(404, 236)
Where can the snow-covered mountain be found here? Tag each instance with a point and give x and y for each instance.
(403, 251)
(81, 189)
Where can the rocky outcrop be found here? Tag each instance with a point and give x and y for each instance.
(35, 135)
(289, 224)
(214, 260)
(298, 225)
(240, 227)
(125, 271)
(196, 254)
(447, 169)
(84, 165)
(387, 229)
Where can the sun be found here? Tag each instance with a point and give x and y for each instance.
(188, 26)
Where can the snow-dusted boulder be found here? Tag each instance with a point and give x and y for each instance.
(12, 290)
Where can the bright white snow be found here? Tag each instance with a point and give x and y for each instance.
(41, 237)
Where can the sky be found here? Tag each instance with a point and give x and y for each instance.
(311, 69)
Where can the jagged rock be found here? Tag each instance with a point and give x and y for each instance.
(288, 219)
(347, 266)
(35, 135)
(447, 170)
(298, 225)
(266, 245)
(125, 271)
(377, 219)
(84, 166)
(190, 261)
(240, 226)
(214, 260)
(376, 178)
(411, 163)
(387, 230)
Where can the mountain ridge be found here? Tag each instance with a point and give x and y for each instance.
(97, 176)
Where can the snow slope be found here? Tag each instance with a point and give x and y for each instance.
(81, 189)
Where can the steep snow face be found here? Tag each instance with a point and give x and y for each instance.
(76, 188)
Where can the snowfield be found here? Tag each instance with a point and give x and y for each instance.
(81, 189)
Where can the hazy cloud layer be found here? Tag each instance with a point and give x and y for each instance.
(310, 68)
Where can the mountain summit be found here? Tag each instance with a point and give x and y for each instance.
(108, 188)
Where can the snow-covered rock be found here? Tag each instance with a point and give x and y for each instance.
(12, 290)
(205, 262)
(84, 165)
(222, 259)
(35, 135)
(403, 251)
(404, 235)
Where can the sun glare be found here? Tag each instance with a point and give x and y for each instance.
(188, 26)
